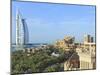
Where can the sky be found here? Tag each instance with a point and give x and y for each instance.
(48, 22)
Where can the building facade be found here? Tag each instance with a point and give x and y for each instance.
(21, 31)
(84, 56)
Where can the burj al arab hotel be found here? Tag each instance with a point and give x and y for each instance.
(22, 36)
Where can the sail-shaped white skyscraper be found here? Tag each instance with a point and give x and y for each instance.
(21, 31)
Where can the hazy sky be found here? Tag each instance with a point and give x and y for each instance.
(50, 22)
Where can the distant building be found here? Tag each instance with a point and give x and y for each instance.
(21, 31)
(92, 40)
(88, 39)
(66, 44)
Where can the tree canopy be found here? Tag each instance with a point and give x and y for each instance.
(40, 61)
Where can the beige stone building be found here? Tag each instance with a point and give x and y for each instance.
(85, 56)
(66, 44)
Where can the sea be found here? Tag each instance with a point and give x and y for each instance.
(32, 45)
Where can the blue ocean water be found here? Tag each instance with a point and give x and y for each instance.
(13, 46)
